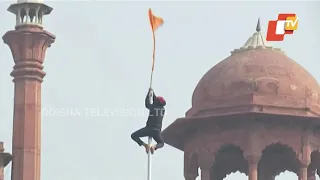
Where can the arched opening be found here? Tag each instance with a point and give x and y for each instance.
(286, 175)
(23, 15)
(229, 160)
(199, 177)
(236, 176)
(277, 158)
(314, 167)
(40, 15)
(32, 14)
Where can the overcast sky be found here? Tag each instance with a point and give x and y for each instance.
(99, 68)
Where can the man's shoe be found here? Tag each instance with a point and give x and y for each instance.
(152, 149)
(146, 146)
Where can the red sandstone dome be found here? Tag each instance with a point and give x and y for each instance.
(256, 76)
(257, 83)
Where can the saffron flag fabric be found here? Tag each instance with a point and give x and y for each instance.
(155, 21)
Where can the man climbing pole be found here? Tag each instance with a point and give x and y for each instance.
(156, 108)
(154, 123)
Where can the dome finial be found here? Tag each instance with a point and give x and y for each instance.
(258, 28)
(257, 40)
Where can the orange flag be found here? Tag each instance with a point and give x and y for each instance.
(155, 21)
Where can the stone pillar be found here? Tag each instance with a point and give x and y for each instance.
(28, 45)
(303, 172)
(190, 166)
(253, 161)
(305, 159)
(205, 173)
(206, 163)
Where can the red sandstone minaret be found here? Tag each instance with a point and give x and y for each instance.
(28, 44)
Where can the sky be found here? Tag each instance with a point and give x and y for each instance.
(98, 73)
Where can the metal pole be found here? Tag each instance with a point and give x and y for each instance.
(149, 158)
(150, 138)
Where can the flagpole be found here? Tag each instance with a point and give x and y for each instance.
(150, 138)
(149, 158)
(153, 57)
(152, 18)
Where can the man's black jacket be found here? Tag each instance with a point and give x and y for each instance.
(156, 112)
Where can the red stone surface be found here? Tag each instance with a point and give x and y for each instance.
(256, 77)
(28, 45)
(256, 112)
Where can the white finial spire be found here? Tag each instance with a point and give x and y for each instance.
(29, 12)
(258, 28)
(257, 40)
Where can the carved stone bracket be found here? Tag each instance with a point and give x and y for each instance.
(253, 161)
(253, 158)
(305, 157)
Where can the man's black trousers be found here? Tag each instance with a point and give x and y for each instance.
(146, 131)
